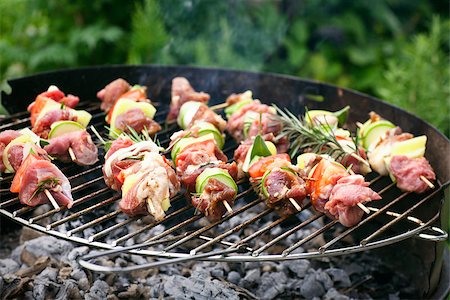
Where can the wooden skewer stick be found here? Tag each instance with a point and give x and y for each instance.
(429, 183)
(151, 207)
(72, 155)
(227, 206)
(52, 200)
(295, 204)
(365, 209)
(218, 106)
(359, 124)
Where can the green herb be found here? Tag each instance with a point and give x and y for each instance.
(320, 139)
(43, 143)
(44, 184)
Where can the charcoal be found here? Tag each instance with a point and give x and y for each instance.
(139, 260)
(298, 267)
(323, 278)
(16, 253)
(333, 294)
(49, 246)
(234, 277)
(40, 264)
(77, 252)
(251, 278)
(68, 290)
(271, 285)
(198, 286)
(311, 287)
(77, 274)
(7, 266)
(217, 273)
(98, 291)
(131, 292)
(83, 284)
(340, 277)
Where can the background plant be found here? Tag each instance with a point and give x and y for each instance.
(394, 49)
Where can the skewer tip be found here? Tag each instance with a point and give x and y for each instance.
(428, 182)
(219, 106)
(52, 200)
(227, 206)
(295, 204)
(72, 154)
(364, 208)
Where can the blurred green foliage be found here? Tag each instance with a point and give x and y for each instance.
(394, 49)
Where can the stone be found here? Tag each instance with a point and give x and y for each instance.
(8, 266)
(323, 278)
(77, 252)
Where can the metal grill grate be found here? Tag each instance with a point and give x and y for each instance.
(96, 221)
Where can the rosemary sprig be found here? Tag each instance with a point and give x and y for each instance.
(320, 139)
(43, 185)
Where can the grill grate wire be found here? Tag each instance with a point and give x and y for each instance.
(185, 236)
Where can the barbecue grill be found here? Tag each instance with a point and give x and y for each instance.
(95, 219)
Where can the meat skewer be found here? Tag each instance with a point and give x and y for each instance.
(63, 126)
(36, 179)
(241, 154)
(145, 178)
(397, 154)
(248, 117)
(335, 192)
(279, 182)
(127, 108)
(203, 168)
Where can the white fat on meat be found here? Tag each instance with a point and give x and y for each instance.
(152, 185)
(133, 150)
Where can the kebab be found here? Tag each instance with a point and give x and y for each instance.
(63, 127)
(316, 133)
(334, 191)
(204, 171)
(274, 178)
(248, 117)
(397, 154)
(135, 167)
(127, 107)
(36, 179)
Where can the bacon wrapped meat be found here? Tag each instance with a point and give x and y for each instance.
(148, 186)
